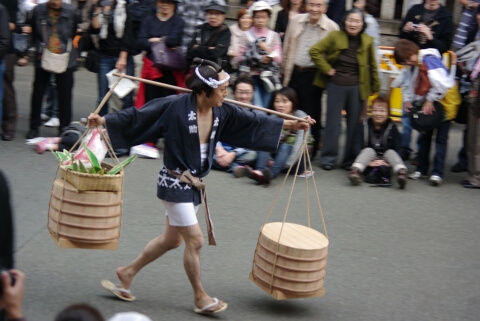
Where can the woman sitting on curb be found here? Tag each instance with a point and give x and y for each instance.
(377, 144)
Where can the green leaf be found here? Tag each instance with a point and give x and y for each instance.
(57, 156)
(92, 170)
(119, 167)
(101, 171)
(92, 157)
(81, 167)
(74, 164)
(68, 166)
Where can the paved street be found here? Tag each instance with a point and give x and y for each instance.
(393, 255)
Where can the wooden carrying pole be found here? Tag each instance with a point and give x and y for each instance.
(172, 87)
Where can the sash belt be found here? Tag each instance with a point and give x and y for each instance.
(188, 178)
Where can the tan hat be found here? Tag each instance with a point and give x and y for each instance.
(260, 6)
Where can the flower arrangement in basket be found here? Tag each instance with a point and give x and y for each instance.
(86, 171)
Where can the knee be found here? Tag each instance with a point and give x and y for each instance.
(173, 244)
(196, 243)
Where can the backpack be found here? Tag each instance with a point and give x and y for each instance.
(139, 9)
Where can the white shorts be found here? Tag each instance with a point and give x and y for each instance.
(181, 214)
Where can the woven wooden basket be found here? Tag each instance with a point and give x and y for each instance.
(93, 182)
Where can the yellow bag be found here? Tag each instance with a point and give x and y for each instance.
(451, 102)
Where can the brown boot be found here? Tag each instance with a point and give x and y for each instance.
(354, 176)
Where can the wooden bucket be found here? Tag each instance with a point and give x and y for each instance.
(84, 219)
(292, 266)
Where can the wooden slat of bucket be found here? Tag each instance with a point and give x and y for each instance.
(86, 217)
(297, 260)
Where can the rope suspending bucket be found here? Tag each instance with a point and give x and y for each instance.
(85, 210)
(290, 259)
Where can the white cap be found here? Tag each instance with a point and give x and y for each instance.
(129, 316)
(260, 6)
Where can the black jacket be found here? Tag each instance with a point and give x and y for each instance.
(12, 7)
(391, 141)
(441, 26)
(202, 36)
(66, 26)
(4, 32)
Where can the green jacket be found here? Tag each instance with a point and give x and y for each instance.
(325, 53)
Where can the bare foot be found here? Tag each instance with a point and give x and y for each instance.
(200, 303)
(125, 278)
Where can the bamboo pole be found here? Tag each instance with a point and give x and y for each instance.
(161, 84)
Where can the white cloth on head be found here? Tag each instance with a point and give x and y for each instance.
(129, 316)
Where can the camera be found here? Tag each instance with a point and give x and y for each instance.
(415, 26)
(12, 278)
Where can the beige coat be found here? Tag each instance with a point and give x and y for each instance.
(294, 30)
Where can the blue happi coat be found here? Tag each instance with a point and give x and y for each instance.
(175, 119)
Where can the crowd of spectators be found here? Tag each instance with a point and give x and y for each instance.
(313, 47)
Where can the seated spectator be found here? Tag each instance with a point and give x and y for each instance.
(212, 39)
(260, 54)
(228, 157)
(244, 22)
(416, 95)
(111, 22)
(290, 9)
(79, 312)
(284, 101)
(377, 144)
(66, 140)
(165, 26)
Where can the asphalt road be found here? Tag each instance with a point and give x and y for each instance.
(393, 254)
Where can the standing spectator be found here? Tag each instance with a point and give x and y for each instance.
(372, 29)
(111, 22)
(244, 22)
(415, 94)
(346, 62)
(212, 39)
(4, 43)
(298, 69)
(276, 7)
(61, 22)
(192, 12)
(8, 113)
(261, 54)
(290, 9)
(336, 10)
(467, 23)
(473, 140)
(228, 157)
(165, 26)
(377, 144)
(284, 101)
(429, 25)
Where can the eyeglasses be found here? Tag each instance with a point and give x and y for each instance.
(241, 92)
(315, 5)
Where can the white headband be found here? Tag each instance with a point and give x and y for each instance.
(213, 83)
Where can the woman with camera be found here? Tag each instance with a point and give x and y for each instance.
(114, 28)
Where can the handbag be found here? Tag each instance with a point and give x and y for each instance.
(167, 58)
(53, 62)
(20, 42)
(424, 123)
(92, 61)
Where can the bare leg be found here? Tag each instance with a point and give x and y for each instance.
(193, 242)
(169, 240)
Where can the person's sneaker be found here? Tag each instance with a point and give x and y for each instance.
(458, 168)
(402, 178)
(44, 117)
(354, 176)
(267, 176)
(240, 171)
(417, 175)
(435, 180)
(265, 76)
(52, 122)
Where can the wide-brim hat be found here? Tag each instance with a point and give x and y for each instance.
(217, 5)
(260, 6)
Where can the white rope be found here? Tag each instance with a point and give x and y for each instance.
(213, 83)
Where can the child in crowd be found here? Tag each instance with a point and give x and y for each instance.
(377, 145)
